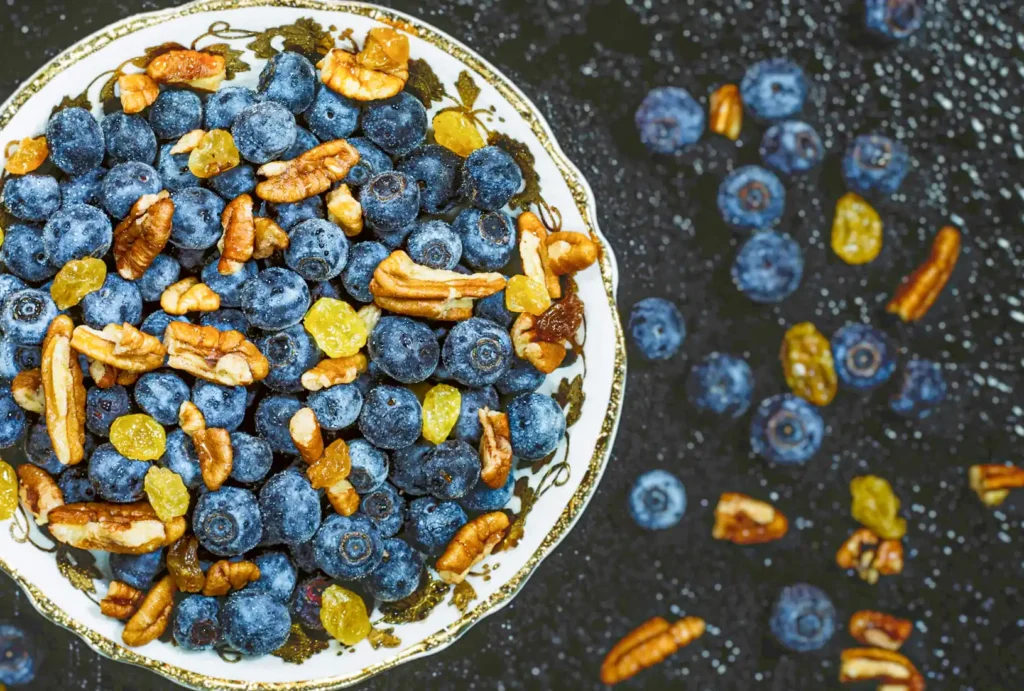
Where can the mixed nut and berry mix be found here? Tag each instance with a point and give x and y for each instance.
(272, 349)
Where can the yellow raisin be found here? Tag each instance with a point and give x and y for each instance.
(343, 614)
(441, 408)
(76, 279)
(8, 491)
(808, 365)
(336, 327)
(216, 153)
(138, 437)
(30, 155)
(876, 506)
(454, 130)
(1, 237)
(856, 230)
(166, 492)
(523, 294)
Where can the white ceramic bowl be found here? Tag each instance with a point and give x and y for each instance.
(68, 595)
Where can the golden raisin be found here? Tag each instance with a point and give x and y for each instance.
(807, 363)
(166, 492)
(183, 565)
(336, 327)
(8, 491)
(30, 155)
(562, 321)
(76, 279)
(876, 507)
(523, 294)
(216, 153)
(343, 614)
(441, 407)
(856, 230)
(138, 437)
(454, 130)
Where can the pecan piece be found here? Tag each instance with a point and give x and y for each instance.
(870, 556)
(495, 448)
(119, 528)
(334, 371)
(222, 357)
(546, 357)
(269, 237)
(919, 291)
(533, 250)
(30, 155)
(879, 629)
(189, 295)
(38, 492)
(370, 314)
(216, 457)
(399, 276)
(63, 392)
(344, 211)
(310, 174)
(647, 645)
(894, 671)
(471, 545)
(457, 310)
(239, 238)
(104, 375)
(153, 615)
(188, 142)
(726, 111)
(123, 347)
(331, 471)
(747, 521)
(225, 576)
(143, 234)
(138, 92)
(569, 252)
(993, 482)
(190, 418)
(203, 71)
(378, 71)
(304, 429)
(122, 601)
(27, 390)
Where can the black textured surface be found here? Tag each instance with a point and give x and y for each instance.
(953, 95)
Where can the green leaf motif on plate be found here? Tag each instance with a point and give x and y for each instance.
(306, 36)
(384, 638)
(417, 606)
(299, 647)
(571, 394)
(463, 594)
(468, 90)
(423, 83)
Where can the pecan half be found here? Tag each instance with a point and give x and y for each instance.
(399, 276)
(188, 142)
(189, 295)
(545, 356)
(143, 234)
(457, 310)
(533, 250)
(190, 418)
(222, 357)
(204, 71)
(216, 457)
(269, 237)
(471, 545)
(870, 556)
(30, 155)
(993, 482)
(331, 471)
(310, 174)
(334, 371)
(894, 671)
(38, 492)
(239, 238)
(122, 601)
(305, 432)
(495, 448)
(378, 71)
(225, 576)
(63, 392)
(919, 291)
(119, 528)
(27, 390)
(726, 111)
(370, 314)
(153, 615)
(344, 211)
(747, 521)
(123, 347)
(138, 92)
(647, 645)
(569, 252)
(879, 629)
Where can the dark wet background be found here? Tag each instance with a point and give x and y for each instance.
(953, 94)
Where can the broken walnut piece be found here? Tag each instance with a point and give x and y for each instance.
(879, 629)
(153, 615)
(308, 175)
(190, 418)
(39, 492)
(398, 276)
(993, 482)
(344, 211)
(27, 390)
(183, 565)
(495, 448)
(726, 108)
(744, 520)
(239, 238)
(369, 314)
(870, 555)
(221, 357)
(533, 250)
(122, 601)
(119, 528)
(457, 310)
(123, 347)
(893, 671)
(269, 237)
(216, 457)
(471, 545)
(334, 371)
(331, 471)
(647, 645)
(546, 357)
(29, 156)
(919, 291)
(225, 576)
(188, 142)
(304, 429)
(63, 392)
(570, 252)
(189, 295)
(378, 71)
(204, 71)
(138, 92)
(143, 234)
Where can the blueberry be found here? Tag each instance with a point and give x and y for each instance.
(362, 262)
(31, 197)
(19, 658)
(290, 508)
(337, 407)
(751, 198)
(318, 250)
(289, 79)
(488, 238)
(197, 622)
(452, 469)
(405, 349)
(175, 113)
(657, 328)
(75, 141)
(786, 429)
(864, 357)
(128, 138)
(9, 284)
(803, 618)
(275, 299)
(290, 352)
(125, 183)
(432, 523)
(263, 132)
(536, 425)
(348, 547)
(83, 189)
(369, 466)
(196, 222)
(391, 201)
(721, 384)
(521, 378)
(24, 255)
(12, 419)
(768, 267)
(116, 478)
(174, 171)
(137, 570)
(277, 576)
(332, 116)
(391, 417)
(657, 500)
(180, 456)
(227, 521)
(493, 307)
(252, 458)
(468, 426)
(191, 260)
(434, 244)
(156, 323)
(26, 315)
(308, 599)
(39, 450)
(304, 141)
(397, 124)
(222, 406)
(669, 119)
(272, 417)
(894, 19)
(436, 170)
(327, 289)
(224, 105)
(490, 178)
(75, 485)
(254, 623)
(774, 89)
(484, 498)
(372, 161)
(235, 182)
(922, 389)
(290, 215)
(399, 572)
(228, 286)
(17, 357)
(160, 395)
(874, 163)
(75, 232)
(477, 352)
(161, 274)
(406, 469)
(117, 301)
(225, 320)
(791, 147)
(385, 508)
